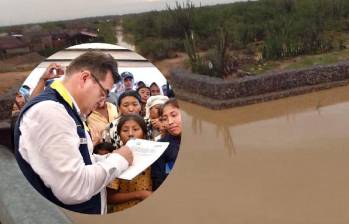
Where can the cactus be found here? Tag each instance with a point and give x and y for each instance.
(195, 60)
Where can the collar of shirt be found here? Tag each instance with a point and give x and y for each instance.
(58, 86)
(82, 116)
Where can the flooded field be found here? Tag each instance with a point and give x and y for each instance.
(283, 161)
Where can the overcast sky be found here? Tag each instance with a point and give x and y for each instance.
(14, 12)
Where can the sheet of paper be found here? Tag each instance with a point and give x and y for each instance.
(145, 153)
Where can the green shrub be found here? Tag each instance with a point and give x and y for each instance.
(156, 49)
(48, 51)
(287, 28)
(106, 32)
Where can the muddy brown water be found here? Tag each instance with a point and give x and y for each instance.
(284, 161)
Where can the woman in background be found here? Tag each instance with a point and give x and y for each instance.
(154, 89)
(144, 92)
(171, 116)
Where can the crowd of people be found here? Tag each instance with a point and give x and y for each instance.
(71, 133)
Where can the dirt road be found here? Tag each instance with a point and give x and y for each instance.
(166, 65)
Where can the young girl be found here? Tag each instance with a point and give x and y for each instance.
(153, 106)
(123, 194)
(154, 89)
(144, 92)
(171, 116)
(128, 103)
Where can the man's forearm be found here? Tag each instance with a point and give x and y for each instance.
(39, 88)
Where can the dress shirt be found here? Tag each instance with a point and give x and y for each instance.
(50, 144)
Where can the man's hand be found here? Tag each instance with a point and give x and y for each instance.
(125, 152)
(53, 71)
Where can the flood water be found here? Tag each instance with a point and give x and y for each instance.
(315, 121)
(284, 161)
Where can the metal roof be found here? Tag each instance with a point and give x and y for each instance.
(11, 42)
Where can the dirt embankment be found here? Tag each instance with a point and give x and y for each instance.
(21, 62)
(14, 70)
(166, 65)
(10, 79)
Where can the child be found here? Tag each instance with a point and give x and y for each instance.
(124, 194)
(153, 106)
(171, 117)
(103, 148)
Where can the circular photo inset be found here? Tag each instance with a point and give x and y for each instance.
(98, 128)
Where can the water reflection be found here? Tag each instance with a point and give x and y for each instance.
(196, 125)
(227, 139)
(312, 121)
(283, 161)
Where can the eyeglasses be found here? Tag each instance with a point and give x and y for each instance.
(105, 91)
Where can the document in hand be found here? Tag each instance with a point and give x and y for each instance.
(145, 153)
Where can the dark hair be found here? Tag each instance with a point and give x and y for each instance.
(97, 63)
(142, 87)
(172, 101)
(134, 117)
(154, 84)
(160, 111)
(141, 83)
(129, 93)
(104, 145)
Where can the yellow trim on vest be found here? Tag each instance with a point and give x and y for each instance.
(86, 127)
(59, 87)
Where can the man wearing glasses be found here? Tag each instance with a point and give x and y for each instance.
(52, 144)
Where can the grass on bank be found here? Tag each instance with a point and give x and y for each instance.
(298, 62)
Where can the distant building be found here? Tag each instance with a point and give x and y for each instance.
(83, 37)
(38, 41)
(33, 38)
(10, 45)
(66, 38)
(60, 39)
